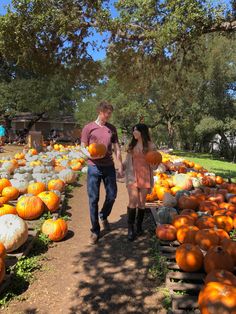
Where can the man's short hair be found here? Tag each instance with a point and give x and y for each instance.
(104, 106)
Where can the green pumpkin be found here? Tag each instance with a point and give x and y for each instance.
(166, 214)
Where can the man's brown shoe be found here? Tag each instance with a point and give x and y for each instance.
(93, 238)
(106, 225)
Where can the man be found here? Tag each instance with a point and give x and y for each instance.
(102, 169)
(2, 135)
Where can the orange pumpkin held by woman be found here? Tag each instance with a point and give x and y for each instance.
(153, 158)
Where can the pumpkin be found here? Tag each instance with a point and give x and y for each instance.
(208, 181)
(3, 200)
(182, 180)
(97, 150)
(222, 234)
(169, 200)
(2, 250)
(68, 176)
(205, 206)
(182, 169)
(219, 180)
(206, 238)
(175, 189)
(217, 298)
(36, 188)
(218, 258)
(224, 222)
(20, 184)
(188, 201)
(29, 207)
(181, 220)
(75, 164)
(7, 209)
(227, 206)
(55, 229)
(2, 269)
(160, 191)
(186, 234)
(50, 199)
(10, 192)
(218, 197)
(153, 158)
(221, 275)
(166, 232)
(33, 151)
(230, 247)
(165, 214)
(4, 183)
(205, 222)
(13, 232)
(232, 199)
(56, 184)
(189, 212)
(189, 257)
(19, 156)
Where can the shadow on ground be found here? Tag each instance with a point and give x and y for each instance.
(116, 273)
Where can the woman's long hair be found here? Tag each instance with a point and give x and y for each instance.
(143, 129)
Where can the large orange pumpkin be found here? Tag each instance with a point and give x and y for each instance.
(189, 212)
(230, 247)
(56, 184)
(182, 220)
(218, 258)
(206, 238)
(217, 298)
(97, 150)
(10, 192)
(4, 183)
(29, 207)
(221, 275)
(224, 222)
(2, 250)
(189, 257)
(206, 206)
(7, 209)
(36, 188)
(166, 232)
(50, 199)
(222, 234)
(186, 234)
(2, 269)
(188, 202)
(153, 158)
(205, 222)
(55, 229)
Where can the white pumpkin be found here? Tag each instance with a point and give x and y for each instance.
(13, 232)
(68, 175)
(169, 200)
(20, 184)
(197, 182)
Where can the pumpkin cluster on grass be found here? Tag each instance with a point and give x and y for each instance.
(199, 211)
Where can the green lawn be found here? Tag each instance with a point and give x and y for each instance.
(219, 167)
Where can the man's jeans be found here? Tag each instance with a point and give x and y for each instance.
(96, 174)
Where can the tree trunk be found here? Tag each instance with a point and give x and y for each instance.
(170, 135)
(33, 121)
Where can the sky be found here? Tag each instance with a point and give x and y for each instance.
(97, 54)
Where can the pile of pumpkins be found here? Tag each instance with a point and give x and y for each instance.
(30, 184)
(200, 215)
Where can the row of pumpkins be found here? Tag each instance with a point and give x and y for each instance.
(199, 211)
(34, 181)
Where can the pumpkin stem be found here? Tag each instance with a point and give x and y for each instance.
(55, 217)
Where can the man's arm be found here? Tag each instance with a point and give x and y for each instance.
(118, 155)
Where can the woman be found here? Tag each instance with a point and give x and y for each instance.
(139, 177)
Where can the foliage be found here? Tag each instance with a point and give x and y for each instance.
(159, 267)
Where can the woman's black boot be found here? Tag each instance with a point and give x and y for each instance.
(131, 213)
(140, 216)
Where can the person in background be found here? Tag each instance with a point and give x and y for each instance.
(2, 134)
(102, 169)
(138, 177)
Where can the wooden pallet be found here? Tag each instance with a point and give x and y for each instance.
(33, 231)
(184, 287)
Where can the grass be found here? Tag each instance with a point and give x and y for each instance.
(219, 167)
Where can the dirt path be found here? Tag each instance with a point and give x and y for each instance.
(111, 277)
